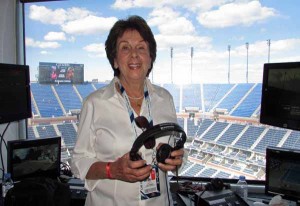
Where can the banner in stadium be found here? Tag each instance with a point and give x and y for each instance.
(60, 73)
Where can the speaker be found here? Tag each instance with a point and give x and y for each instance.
(152, 133)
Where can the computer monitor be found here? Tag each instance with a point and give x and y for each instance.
(283, 172)
(34, 158)
(280, 102)
(15, 98)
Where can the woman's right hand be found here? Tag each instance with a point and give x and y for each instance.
(130, 171)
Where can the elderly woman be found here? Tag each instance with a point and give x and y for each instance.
(108, 125)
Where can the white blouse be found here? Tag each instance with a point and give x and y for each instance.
(105, 133)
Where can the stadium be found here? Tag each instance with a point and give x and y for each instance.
(210, 56)
(225, 137)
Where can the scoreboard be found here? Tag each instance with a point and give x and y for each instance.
(60, 73)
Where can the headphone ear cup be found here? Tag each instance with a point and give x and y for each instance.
(135, 156)
(216, 184)
(163, 153)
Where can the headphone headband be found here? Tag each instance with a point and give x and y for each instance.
(157, 131)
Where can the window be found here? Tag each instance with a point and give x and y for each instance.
(209, 58)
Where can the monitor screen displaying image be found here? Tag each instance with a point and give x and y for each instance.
(34, 158)
(282, 172)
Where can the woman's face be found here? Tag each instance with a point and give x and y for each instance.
(133, 56)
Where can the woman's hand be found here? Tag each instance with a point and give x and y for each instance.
(130, 171)
(172, 163)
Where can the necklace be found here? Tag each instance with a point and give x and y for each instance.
(135, 98)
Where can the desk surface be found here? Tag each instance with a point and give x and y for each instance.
(79, 194)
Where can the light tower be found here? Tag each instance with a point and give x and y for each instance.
(192, 54)
(171, 64)
(228, 63)
(269, 45)
(247, 48)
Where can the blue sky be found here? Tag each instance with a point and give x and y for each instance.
(74, 31)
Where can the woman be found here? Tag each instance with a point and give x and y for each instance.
(108, 128)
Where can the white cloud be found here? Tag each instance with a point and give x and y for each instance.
(55, 36)
(167, 41)
(196, 5)
(57, 16)
(98, 50)
(191, 5)
(123, 4)
(175, 26)
(260, 48)
(170, 22)
(285, 45)
(71, 39)
(77, 13)
(127, 4)
(39, 44)
(47, 16)
(73, 20)
(208, 63)
(89, 25)
(236, 14)
(175, 30)
(45, 52)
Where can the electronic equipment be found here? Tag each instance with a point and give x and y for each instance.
(213, 193)
(15, 99)
(282, 172)
(77, 188)
(157, 131)
(188, 187)
(280, 102)
(58, 73)
(216, 184)
(34, 158)
(219, 198)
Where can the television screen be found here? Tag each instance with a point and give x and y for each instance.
(34, 158)
(60, 73)
(15, 101)
(282, 172)
(280, 103)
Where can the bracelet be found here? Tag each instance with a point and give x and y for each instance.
(108, 173)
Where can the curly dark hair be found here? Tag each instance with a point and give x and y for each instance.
(131, 23)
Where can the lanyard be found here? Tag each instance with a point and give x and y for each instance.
(130, 110)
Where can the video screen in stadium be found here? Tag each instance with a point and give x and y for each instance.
(60, 73)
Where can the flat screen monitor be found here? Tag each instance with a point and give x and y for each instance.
(282, 172)
(34, 158)
(280, 103)
(15, 98)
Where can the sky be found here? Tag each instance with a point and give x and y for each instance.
(212, 41)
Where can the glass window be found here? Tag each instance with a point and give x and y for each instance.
(210, 57)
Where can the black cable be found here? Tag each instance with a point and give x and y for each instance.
(199, 196)
(166, 176)
(3, 141)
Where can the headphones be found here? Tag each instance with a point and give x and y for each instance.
(216, 184)
(159, 130)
